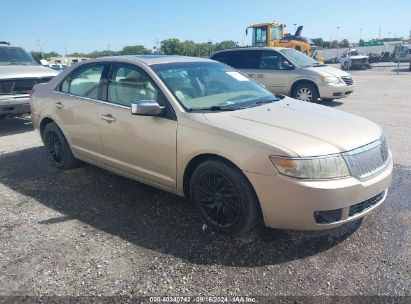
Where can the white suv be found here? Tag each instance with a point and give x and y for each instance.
(19, 72)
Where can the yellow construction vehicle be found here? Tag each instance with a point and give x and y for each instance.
(272, 34)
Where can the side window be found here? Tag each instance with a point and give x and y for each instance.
(272, 61)
(84, 81)
(127, 85)
(246, 59)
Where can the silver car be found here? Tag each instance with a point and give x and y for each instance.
(289, 72)
(19, 72)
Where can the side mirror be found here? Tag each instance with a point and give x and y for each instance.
(287, 66)
(146, 108)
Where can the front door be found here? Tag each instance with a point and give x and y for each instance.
(272, 74)
(143, 146)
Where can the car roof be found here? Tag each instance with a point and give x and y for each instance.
(258, 48)
(155, 59)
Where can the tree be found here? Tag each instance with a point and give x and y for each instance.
(134, 50)
(334, 44)
(38, 56)
(318, 41)
(345, 43)
(226, 44)
(326, 44)
(172, 46)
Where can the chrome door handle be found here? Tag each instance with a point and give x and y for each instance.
(260, 75)
(59, 105)
(108, 117)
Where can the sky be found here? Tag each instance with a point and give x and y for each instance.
(88, 25)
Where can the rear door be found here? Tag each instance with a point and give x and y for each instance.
(143, 146)
(75, 104)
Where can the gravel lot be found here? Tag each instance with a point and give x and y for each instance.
(89, 232)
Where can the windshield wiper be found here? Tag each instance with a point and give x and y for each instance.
(264, 101)
(215, 109)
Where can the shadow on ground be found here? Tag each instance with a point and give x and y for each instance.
(330, 103)
(14, 125)
(151, 218)
(401, 70)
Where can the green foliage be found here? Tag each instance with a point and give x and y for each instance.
(171, 46)
(345, 43)
(190, 48)
(318, 42)
(334, 44)
(37, 55)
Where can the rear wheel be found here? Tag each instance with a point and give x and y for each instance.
(58, 149)
(305, 92)
(224, 198)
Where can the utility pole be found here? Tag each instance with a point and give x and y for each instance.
(41, 50)
(360, 33)
(338, 44)
(295, 27)
(157, 48)
(379, 33)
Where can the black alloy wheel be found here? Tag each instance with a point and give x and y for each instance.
(54, 148)
(218, 198)
(224, 198)
(58, 148)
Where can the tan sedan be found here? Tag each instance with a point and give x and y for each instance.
(200, 129)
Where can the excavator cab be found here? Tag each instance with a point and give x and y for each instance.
(272, 34)
(265, 33)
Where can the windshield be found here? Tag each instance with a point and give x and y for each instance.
(15, 56)
(298, 58)
(356, 53)
(212, 86)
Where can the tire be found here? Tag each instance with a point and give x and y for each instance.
(58, 149)
(305, 92)
(346, 66)
(224, 198)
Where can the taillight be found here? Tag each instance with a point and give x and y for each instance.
(31, 92)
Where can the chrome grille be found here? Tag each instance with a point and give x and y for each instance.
(19, 86)
(368, 160)
(348, 80)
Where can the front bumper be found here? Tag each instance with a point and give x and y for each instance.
(335, 91)
(14, 104)
(289, 203)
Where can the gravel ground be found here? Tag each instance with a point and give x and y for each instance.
(88, 232)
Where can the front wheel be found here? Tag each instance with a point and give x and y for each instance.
(58, 148)
(224, 198)
(305, 92)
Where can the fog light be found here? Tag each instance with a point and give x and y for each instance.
(327, 217)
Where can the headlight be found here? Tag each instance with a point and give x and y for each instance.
(322, 167)
(330, 79)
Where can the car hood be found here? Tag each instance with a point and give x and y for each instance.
(303, 128)
(328, 71)
(25, 71)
